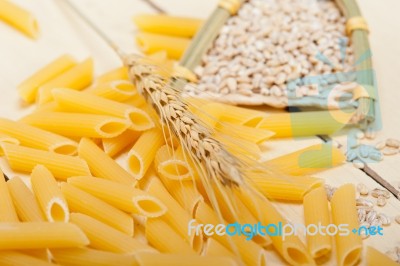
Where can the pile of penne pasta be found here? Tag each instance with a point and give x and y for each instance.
(86, 204)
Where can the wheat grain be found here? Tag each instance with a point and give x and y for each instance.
(174, 112)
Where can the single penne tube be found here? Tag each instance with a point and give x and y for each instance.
(236, 115)
(289, 247)
(241, 147)
(102, 165)
(251, 134)
(142, 154)
(92, 257)
(139, 102)
(113, 146)
(117, 90)
(7, 209)
(214, 248)
(78, 77)
(375, 257)
(25, 203)
(107, 238)
(171, 164)
(12, 258)
(248, 251)
(37, 138)
(316, 212)
(308, 160)
(25, 159)
(150, 43)
(8, 139)
(283, 187)
(49, 196)
(42, 254)
(301, 124)
(245, 217)
(80, 201)
(28, 88)
(169, 241)
(125, 198)
(119, 73)
(344, 211)
(19, 18)
(77, 124)
(83, 102)
(35, 235)
(185, 192)
(168, 25)
(176, 216)
(147, 259)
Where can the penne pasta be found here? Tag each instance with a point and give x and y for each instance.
(246, 217)
(106, 238)
(77, 124)
(374, 257)
(234, 114)
(113, 146)
(215, 248)
(176, 217)
(29, 87)
(19, 18)
(290, 247)
(147, 259)
(120, 196)
(185, 192)
(119, 73)
(25, 159)
(243, 148)
(78, 77)
(37, 138)
(316, 211)
(48, 194)
(13, 258)
(171, 164)
(168, 25)
(305, 123)
(7, 139)
(92, 257)
(83, 202)
(343, 205)
(42, 254)
(246, 133)
(7, 209)
(150, 43)
(83, 102)
(142, 154)
(34, 235)
(249, 251)
(102, 165)
(25, 203)
(165, 239)
(117, 90)
(284, 187)
(309, 160)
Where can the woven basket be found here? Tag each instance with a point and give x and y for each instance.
(362, 98)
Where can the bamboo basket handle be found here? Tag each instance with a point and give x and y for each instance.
(357, 30)
(204, 38)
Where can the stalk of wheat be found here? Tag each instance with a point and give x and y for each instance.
(174, 112)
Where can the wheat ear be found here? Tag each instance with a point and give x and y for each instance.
(173, 110)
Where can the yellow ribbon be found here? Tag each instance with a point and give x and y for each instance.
(364, 91)
(231, 5)
(356, 23)
(185, 73)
